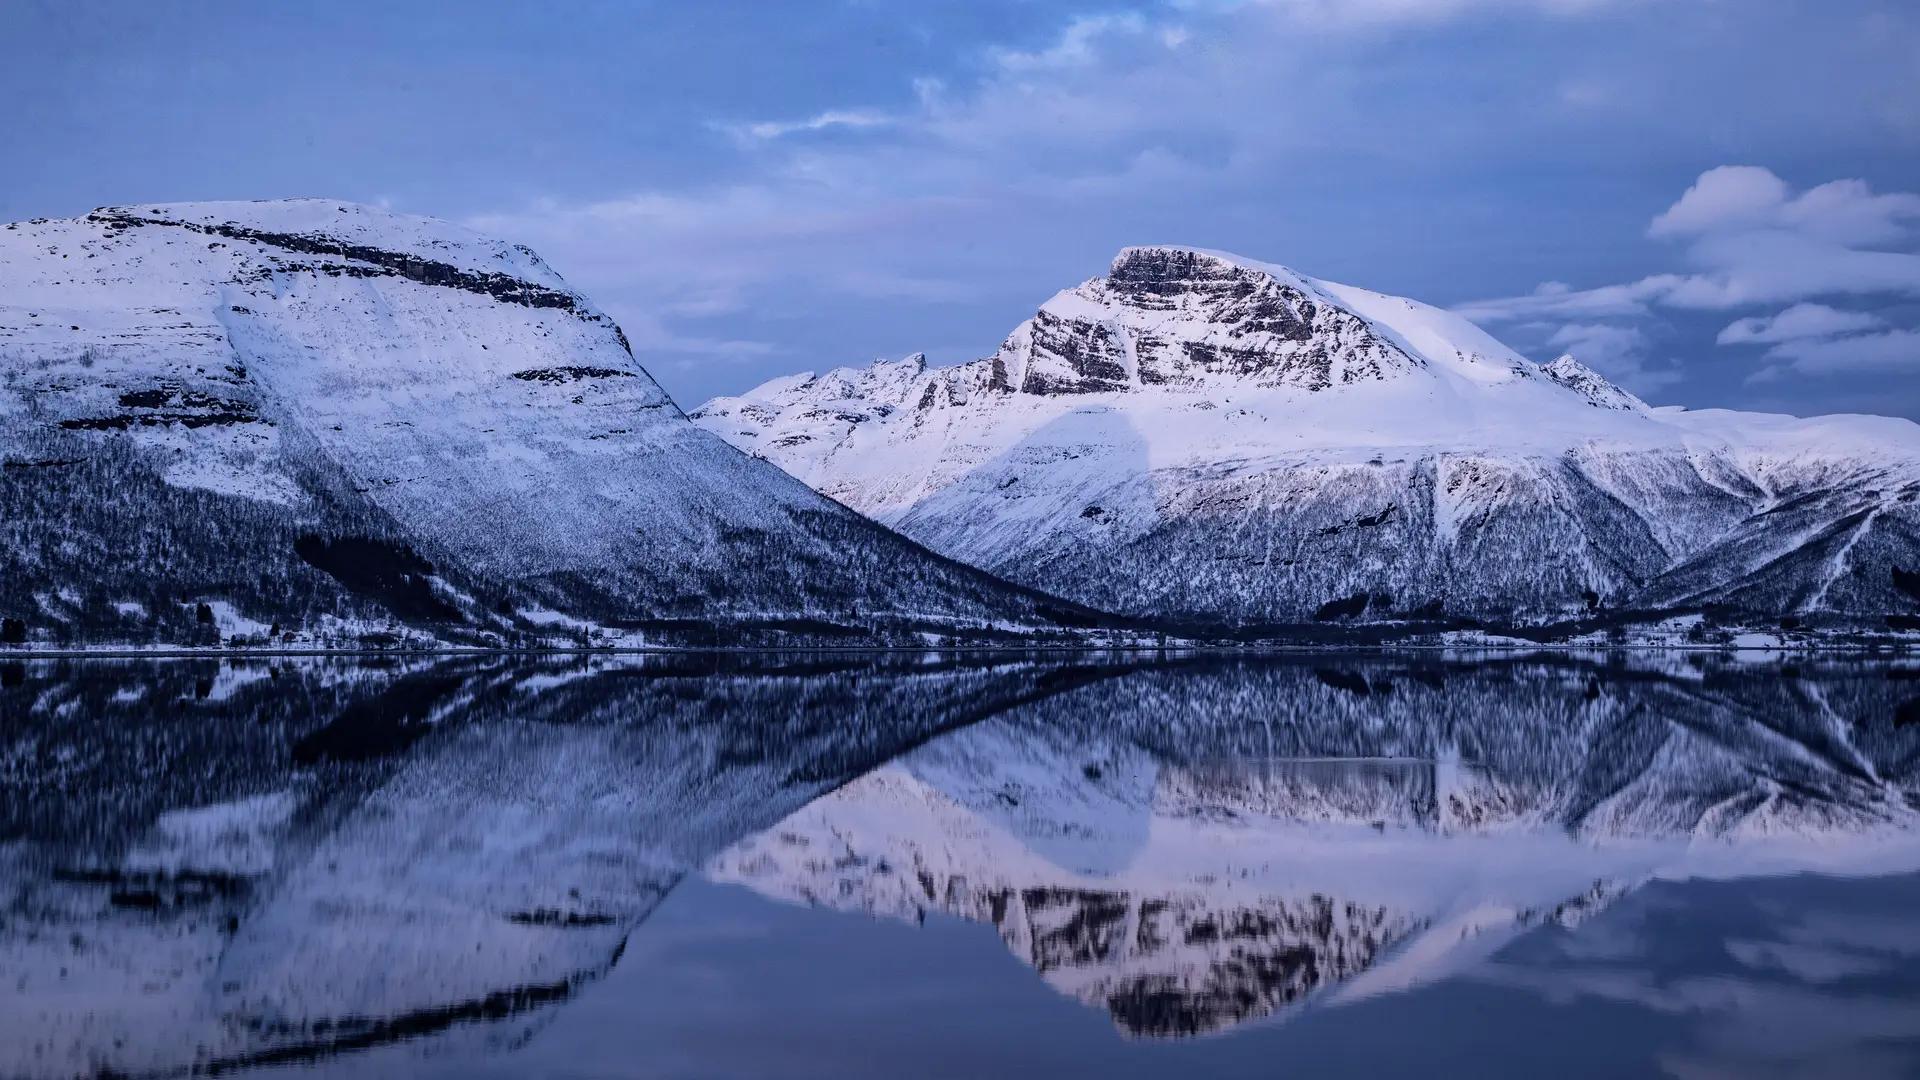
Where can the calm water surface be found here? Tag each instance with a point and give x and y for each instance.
(961, 865)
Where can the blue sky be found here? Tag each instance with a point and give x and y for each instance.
(1712, 200)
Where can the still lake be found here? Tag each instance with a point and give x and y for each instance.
(961, 864)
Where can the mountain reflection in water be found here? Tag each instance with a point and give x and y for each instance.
(208, 866)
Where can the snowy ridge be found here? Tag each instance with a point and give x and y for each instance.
(324, 415)
(1198, 434)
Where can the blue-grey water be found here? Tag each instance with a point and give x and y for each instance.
(883, 865)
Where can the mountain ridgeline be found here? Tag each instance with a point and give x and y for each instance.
(309, 423)
(1204, 437)
(305, 423)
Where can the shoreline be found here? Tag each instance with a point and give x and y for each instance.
(1899, 649)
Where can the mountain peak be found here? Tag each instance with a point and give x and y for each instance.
(1139, 258)
(1590, 384)
(1183, 317)
(1175, 268)
(1342, 333)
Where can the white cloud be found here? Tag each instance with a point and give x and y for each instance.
(1030, 164)
(832, 118)
(1751, 239)
(1599, 342)
(1892, 351)
(654, 340)
(1617, 351)
(1753, 242)
(1077, 45)
(1745, 198)
(1778, 266)
(1796, 323)
(1729, 195)
(1807, 963)
(1555, 300)
(854, 221)
(1783, 1008)
(1374, 13)
(669, 265)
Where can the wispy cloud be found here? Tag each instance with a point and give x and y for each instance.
(1892, 351)
(1797, 323)
(1617, 351)
(1753, 240)
(1024, 166)
(1077, 45)
(764, 130)
(1377, 13)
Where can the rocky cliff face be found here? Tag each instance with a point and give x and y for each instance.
(1197, 434)
(322, 420)
(1167, 316)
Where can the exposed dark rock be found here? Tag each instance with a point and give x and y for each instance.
(1343, 680)
(381, 726)
(1349, 608)
(556, 917)
(391, 574)
(44, 463)
(1907, 582)
(245, 415)
(1908, 713)
(1089, 351)
(570, 374)
(375, 262)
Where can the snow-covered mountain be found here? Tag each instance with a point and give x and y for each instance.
(215, 866)
(1193, 848)
(323, 420)
(1198, 434)
(290, 862)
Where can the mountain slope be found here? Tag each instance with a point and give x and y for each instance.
(1198, 434)
(224, 419)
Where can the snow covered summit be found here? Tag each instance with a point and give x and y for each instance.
(317, 419)
(1200, 434)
